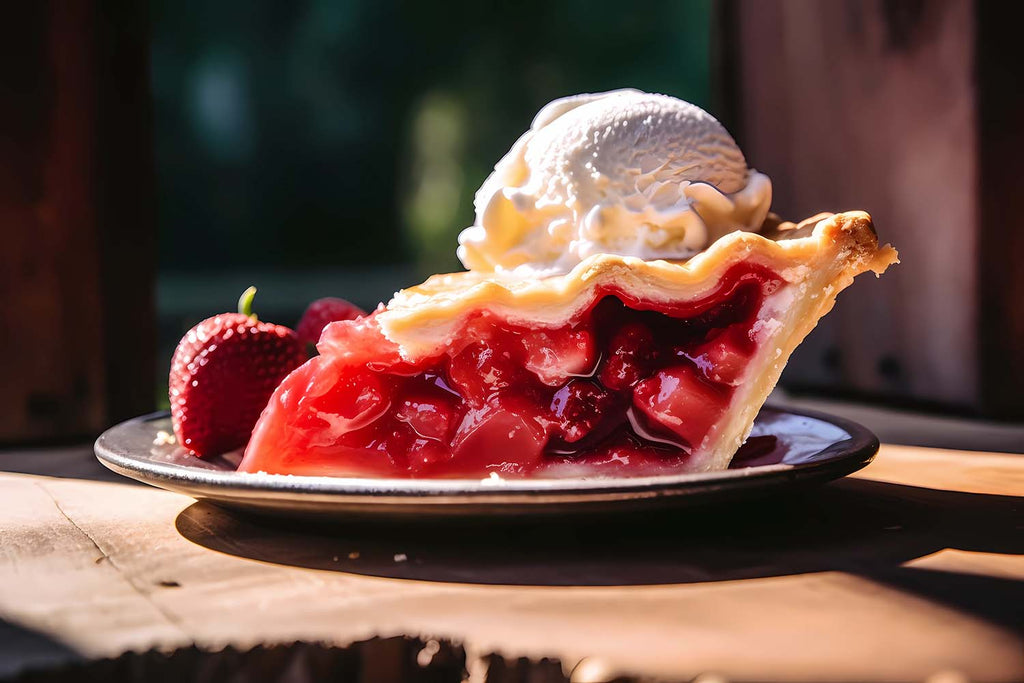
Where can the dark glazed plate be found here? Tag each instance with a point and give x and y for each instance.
(786, 449)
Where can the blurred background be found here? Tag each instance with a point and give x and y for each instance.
(160, 157)
(333, 148)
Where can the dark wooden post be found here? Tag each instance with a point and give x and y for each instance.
(76, 218)
(1000, 102)
(911, 110)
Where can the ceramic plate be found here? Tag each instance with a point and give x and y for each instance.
(786, 449)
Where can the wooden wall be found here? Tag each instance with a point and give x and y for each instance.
(76, 218)
(875, 105)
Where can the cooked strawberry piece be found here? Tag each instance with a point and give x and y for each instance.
(679, 400)
(427, 456)
(503, 436)
(555, 356)
(579, 408)
(355, 400)
(724, 358)
(631, 355)
(429, 411)
(482, 369)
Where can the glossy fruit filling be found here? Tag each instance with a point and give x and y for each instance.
(629, 387)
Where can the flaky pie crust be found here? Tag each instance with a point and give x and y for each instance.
(827, 246)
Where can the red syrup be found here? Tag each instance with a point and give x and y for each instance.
(629, 387)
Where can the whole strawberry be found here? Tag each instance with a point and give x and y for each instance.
(222, 375)
(321, 313)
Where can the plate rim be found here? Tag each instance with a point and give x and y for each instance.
(269, 490)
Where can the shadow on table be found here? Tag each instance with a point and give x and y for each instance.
(854, 525)
(68, 462)
(22, 648)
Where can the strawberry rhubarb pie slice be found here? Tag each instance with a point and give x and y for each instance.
(629, 305)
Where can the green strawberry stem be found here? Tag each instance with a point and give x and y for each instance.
(245, 302)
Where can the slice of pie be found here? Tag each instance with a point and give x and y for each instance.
(620, 366)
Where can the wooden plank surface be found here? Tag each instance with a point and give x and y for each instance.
(912, 568)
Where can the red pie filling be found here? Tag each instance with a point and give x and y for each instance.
(630, 386)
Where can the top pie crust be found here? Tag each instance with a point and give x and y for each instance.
(826, 251)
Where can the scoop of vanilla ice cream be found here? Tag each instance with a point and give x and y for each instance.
(623, 172)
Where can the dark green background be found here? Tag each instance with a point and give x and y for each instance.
(318, 135)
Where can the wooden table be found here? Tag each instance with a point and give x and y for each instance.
(910, 570)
